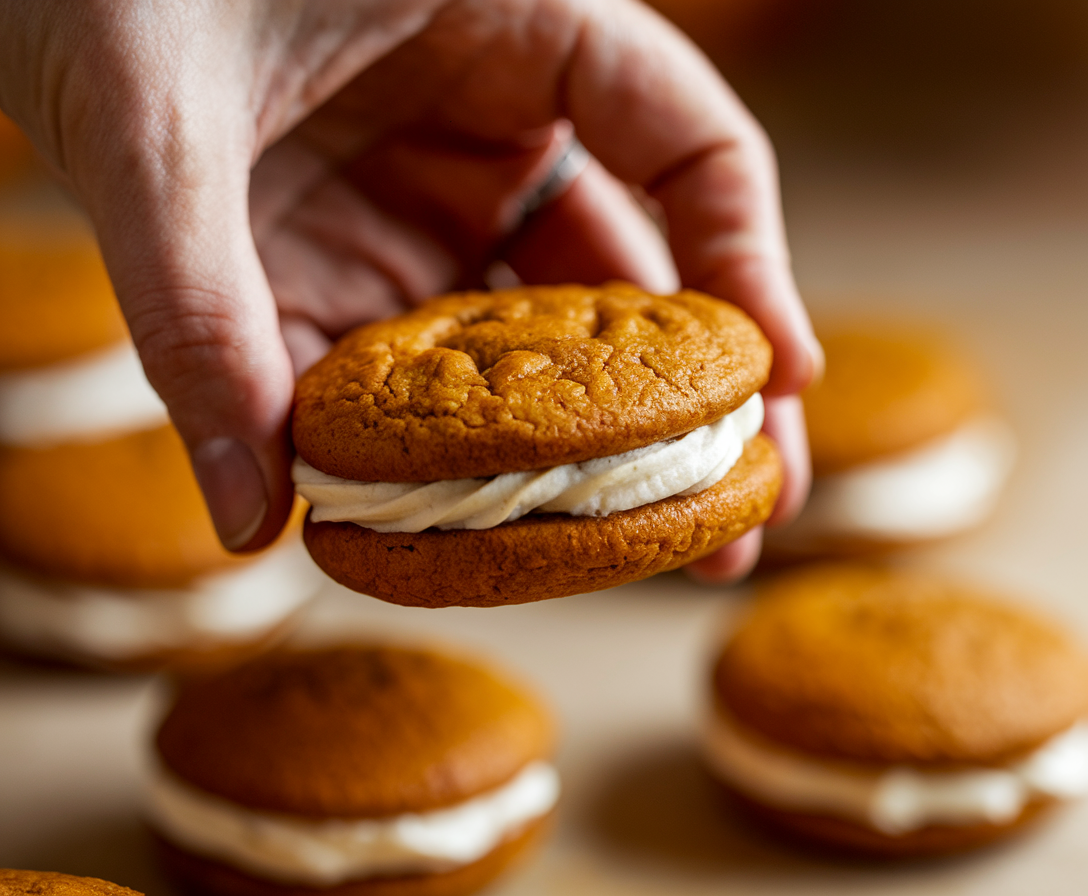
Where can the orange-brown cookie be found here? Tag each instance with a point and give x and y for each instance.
(48, 883)
(855, 839)
(193, 660)
(479, 385)
(125, 512)
(897, 714)
(549, 555)
(108, 559)
(904, 448)
(56, 300)
(201, 876)
(886, 389)
(311, 741)
(485, 383)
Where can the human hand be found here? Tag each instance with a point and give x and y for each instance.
(263, 176)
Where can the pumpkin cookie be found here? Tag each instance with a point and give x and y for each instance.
(48, 883)
(56, 300)
(108, 557)
(894, 714)
(493, 448)
(905, 448)
(348, 770)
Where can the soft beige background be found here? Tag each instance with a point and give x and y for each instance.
(981, 223)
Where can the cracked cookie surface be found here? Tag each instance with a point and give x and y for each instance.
(479, 384)
(15, 882)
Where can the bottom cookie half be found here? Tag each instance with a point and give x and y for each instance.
(860, 840)
(206, 877)
(197, 661)
(550, 555)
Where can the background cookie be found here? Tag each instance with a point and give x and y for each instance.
(887, 388)
(124, 512)
(905, 447)
(851, 698)
(56, 300)
(108, 558)
(202, 875)
(351, 735)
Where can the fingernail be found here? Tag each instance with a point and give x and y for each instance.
(233, 488)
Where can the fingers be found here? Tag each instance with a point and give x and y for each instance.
(149, 117)
(466, 193)
(305, 342)
(728, 246)
(595, 231)
(655, 112)
(330, 254)
(173, 225)
(729, 563)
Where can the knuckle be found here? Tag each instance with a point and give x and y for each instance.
(186, 338)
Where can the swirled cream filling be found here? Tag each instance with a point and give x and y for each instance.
(89, 398)
(899, 799)
(324, 853)
(682, 466)
(66, 619)
(944, 487)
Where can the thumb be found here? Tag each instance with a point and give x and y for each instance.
(175, 234)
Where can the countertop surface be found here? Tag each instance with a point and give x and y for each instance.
(998, 253)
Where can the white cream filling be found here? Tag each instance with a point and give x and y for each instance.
(116, 624)
(900, 799)
(328, 852)
(944, 487)
(91, 397)
(682, 466)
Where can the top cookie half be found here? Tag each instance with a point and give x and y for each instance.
(478, 384)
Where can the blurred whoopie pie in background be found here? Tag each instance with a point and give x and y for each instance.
(108, 556)
(906, 448)
(353, 769)
(895, 714)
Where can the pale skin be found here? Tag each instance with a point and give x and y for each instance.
(264, 175)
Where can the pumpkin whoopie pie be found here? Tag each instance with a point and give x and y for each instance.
(504, 447)
(48, 883)
(350, 770)
(897, 715)
(905, 445)
(108, 556)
